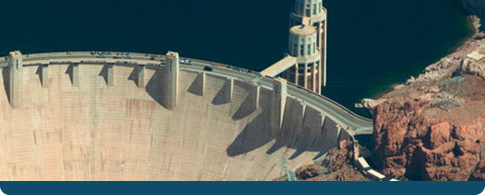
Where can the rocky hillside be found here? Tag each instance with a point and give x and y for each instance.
(433, 127)
(416, 139)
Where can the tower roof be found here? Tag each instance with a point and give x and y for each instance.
(302, 30)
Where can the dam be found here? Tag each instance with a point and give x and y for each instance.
(82, 116)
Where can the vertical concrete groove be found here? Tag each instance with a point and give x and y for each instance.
(280, 93)
(141, 76)
(110, 75)
(229, 90)
(303, 115)
(75, 74)
(256, 92)
(202, 81)
(339, 131)
(45, 75)
(15, 79)
(322, 133)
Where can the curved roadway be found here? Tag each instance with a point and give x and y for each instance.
(356, 124)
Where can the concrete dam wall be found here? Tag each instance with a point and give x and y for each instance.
(104, 122)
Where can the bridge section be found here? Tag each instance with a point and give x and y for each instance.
(279, 67)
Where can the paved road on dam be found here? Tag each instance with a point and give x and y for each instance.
(357, 124)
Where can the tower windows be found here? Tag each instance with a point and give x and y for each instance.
(314, 47)
(302, 53)
(301, 68)
(319, 7)
(309, 49)
(314, 9)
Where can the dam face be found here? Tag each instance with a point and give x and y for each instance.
(113, 125)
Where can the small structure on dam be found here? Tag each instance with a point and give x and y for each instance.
(78, 116)
(306, 60)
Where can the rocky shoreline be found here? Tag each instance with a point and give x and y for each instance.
(433, 126)
(475, 7)
(430, 128)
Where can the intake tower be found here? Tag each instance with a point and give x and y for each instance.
(305, 63)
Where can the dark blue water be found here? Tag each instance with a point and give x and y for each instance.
(375, 44)
(372, 44)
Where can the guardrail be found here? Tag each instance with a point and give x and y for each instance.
(363, 119)
(160, 58)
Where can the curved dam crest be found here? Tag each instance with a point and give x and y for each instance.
(106, 119)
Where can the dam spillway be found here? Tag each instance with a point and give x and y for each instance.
(80, 117)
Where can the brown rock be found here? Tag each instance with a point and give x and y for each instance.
(440, 134)
(479, 173)
(408, 142)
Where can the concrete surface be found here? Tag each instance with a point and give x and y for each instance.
(96, 132)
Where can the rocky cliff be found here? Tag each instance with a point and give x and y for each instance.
(419, 141)
(433, 127)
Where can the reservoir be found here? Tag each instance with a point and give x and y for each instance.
(372, 44)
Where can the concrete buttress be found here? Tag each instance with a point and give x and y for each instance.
(15, 81)
(170, 84)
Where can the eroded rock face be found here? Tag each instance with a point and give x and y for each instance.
(432, 127)
(471, 67)
(411, 142)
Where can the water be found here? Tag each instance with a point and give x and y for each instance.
(376, 44)
(372, 44)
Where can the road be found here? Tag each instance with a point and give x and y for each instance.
(357, 124)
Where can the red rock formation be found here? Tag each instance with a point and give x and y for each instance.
(432, 128)
(411, 142)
